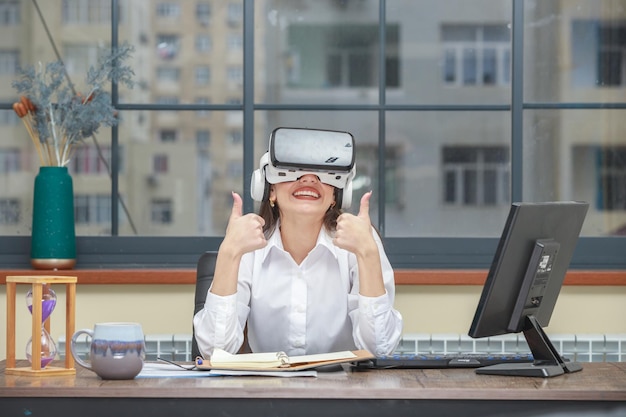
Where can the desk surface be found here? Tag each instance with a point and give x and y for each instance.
(600, 386)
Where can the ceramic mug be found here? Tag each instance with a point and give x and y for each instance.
(117, 350)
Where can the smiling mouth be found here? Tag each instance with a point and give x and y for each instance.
(306, 193)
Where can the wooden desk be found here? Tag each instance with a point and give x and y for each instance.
(599, 390)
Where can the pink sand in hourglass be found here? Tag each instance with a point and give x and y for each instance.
(47, 306)
(46, 361)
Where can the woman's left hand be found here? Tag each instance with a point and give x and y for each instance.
(354, 233)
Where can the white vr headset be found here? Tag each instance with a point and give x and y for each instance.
(294, 152)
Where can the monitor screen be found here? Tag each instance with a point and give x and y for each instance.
(524, 281)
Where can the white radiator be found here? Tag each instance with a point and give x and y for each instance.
(580, 348)
(576, 347)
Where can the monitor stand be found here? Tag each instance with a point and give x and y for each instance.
(547, 360)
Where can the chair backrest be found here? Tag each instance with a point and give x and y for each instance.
(204, 277)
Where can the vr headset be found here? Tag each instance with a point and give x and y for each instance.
(294, 152)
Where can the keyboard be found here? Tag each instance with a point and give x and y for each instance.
(450, 360)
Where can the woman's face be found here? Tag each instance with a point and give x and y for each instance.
(305, 195)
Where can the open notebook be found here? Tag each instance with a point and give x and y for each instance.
(278, 361)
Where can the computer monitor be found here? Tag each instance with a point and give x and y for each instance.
(524, 281)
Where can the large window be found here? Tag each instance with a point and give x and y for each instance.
(458, 108)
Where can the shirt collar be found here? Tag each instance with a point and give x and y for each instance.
(275, 241)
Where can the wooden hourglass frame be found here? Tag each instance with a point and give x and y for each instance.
(37, 283)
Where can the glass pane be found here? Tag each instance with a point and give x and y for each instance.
(441, 62)
(362, 125)
(186, 50)
(579, 155)
(318, 52)
(580, 56)
(451, 173)
(178, 180)
(445, 166)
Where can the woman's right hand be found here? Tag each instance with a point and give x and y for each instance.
(244, 233)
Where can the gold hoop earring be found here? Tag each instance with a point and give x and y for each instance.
(272, 203)
(332, 205)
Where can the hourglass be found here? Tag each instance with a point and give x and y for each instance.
(41, 302)
(47, 346)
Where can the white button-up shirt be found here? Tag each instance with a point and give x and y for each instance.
(314, 307)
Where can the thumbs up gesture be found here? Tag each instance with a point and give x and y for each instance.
(244, 233)
(354, 233)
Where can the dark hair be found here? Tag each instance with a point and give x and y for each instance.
(271, 215)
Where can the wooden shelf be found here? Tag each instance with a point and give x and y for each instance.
(403, 276)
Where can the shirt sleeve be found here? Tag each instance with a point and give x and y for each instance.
(216, 325)
(377, 326)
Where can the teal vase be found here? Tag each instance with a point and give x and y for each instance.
(53, 239)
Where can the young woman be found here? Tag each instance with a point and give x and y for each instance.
(303, 276)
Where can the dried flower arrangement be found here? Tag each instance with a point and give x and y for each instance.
(56, 116)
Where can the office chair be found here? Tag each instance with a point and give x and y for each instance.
(204, 277)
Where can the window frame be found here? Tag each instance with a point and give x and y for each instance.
(599, 253)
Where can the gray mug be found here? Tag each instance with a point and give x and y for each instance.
(117, 350)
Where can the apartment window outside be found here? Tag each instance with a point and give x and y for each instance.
(475, 176)
(168, 46)
(235, 75)
(10, 160)
(234, 13)
(203, 11)
(611, 54)
(168, 74)
(159, 164)
(88, 161)
(167, 101)
(203, 75)
(476, 54)
(203, 43)
(347, 57)
(611, 165)
(9, 62)
(9, 118)
(168, 10)
(235, 42)
(86, 11)
(203, 139)
(92, 209)
(9, 211)
(10, 12)
(168, 135)
(235, 137)
(161, 211)
(203, 101)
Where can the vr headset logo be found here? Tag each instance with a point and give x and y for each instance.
(294, 152)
